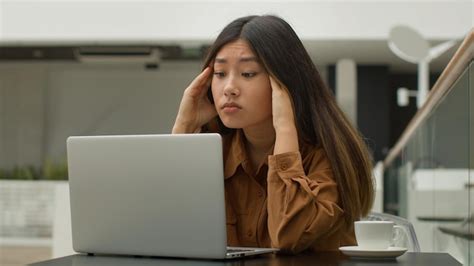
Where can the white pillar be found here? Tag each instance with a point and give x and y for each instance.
(2, 127)
(346, 88)
(423, 82)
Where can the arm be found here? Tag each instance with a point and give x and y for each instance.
(195, 108)
(302, 206)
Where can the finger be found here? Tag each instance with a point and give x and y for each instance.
(196, 87)
(209, 77)
(274, 83)
(201, 78)
(206, 86)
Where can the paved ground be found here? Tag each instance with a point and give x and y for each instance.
(18, 255)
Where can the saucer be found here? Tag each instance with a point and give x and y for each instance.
(389, 253)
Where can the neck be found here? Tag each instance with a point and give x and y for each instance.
(261, 138)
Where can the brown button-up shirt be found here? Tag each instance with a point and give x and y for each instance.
(289, 202)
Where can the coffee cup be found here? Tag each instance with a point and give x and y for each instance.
(375, 235)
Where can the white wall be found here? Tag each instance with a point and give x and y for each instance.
(41, 104)
(152, 21)
(60, 100)
(21, 116)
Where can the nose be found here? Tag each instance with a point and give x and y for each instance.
(231, 89)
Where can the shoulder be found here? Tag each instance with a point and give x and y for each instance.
(314, 158)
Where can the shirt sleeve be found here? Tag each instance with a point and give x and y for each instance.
(302, 207)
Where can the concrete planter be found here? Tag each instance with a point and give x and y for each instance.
(27, 209)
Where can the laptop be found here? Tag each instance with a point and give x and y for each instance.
(150, 195)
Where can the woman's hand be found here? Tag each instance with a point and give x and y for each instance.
(283, 119)
(282, 108)
(195, 109)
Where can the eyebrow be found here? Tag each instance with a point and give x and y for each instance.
(243, 59)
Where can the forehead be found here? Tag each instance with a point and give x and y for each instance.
(238, 48)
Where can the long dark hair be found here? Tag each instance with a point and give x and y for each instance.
(319, 121)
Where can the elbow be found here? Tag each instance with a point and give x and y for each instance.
(288, 245)
(289, 249)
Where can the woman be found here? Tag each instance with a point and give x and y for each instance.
(297, 174)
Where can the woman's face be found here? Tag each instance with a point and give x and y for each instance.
(241, 87)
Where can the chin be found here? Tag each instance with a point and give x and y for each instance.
(232, 124)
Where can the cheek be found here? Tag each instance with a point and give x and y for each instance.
(267, 103)
(268, 100)
(262, 100)
(266, 94)
(215, 91)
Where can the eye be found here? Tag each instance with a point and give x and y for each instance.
(219, 74)
(249, 74)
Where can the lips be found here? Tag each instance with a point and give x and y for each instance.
(231, 108)
(231, 105)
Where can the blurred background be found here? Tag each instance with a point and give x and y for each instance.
(77, 67)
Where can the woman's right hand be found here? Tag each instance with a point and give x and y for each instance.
(195, 109)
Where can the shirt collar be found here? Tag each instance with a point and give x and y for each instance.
(236, 154)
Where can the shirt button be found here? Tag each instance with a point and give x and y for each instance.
(249, 233)
(260, 194)
(284, 166)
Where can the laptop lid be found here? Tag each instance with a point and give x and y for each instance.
(152, 195)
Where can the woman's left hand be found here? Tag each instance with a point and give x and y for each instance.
(282, 108)
(283, 119)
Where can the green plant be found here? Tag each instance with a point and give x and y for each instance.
(26, 173)
(55, 171)
(49, 171)
(3, 174)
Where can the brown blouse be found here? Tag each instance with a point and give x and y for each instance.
(290, 202)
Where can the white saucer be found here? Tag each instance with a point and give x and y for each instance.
(356, 251)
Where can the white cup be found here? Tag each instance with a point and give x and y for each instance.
(376, 235)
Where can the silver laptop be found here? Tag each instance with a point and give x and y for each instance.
(150, 195)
